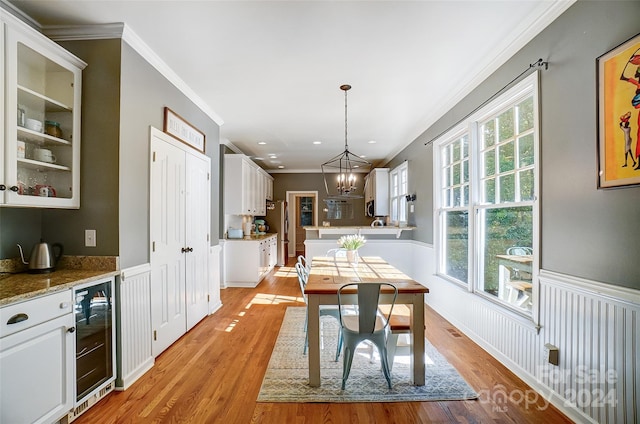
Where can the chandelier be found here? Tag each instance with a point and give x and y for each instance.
(339, 173)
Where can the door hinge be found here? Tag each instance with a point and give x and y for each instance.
(208, 176)
(155, 335)
(208, 298)
(153, 246)
(207, 237)
(154, 156)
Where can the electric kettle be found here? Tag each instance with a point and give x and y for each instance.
(42, 257)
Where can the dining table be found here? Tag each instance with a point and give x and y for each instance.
(329, 273)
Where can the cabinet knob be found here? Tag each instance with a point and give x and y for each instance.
(3, 187)
(14, 189)
(184, 250)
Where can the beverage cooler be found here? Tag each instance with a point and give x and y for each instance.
(95, 340)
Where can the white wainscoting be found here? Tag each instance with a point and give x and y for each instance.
(595, 327)
(134, 322)
(215, 259)
(400, 255)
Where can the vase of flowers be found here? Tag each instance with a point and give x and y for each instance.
(351, 244)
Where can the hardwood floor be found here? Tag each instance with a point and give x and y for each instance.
(213, 375)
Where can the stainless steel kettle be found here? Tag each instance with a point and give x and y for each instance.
(43, 259)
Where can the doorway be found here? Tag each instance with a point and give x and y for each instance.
(303, 213)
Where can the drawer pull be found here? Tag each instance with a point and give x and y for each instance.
(64, 305)
(18, 318)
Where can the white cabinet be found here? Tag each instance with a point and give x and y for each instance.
(247, 262)
(180, 224)
(40, 148)
(246, 186)
(37, 359)
(376, 190)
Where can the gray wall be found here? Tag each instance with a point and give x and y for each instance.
(586, 232)
(145, 93)
(315, 182)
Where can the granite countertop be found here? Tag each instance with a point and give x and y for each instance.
(72, 271)
(253, 237)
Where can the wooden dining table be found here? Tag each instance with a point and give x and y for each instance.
(328, 274)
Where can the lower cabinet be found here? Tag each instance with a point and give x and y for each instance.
(247, 262)
(37, 359)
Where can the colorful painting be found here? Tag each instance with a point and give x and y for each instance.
(619, 115)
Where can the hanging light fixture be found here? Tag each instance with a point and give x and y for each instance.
(340, 172)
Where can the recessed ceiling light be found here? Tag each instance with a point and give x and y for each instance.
(257, 158)
(356, 166)
(262, 142)
(273, 156)
(363, 156)
(372, 142)
(317, 142)
(280, 166)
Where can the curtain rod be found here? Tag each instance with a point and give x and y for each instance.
(539, 63)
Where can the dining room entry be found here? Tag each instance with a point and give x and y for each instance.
(305, 213)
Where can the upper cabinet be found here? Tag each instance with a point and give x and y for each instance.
(40, 151)
(247, 187)
(376, 192)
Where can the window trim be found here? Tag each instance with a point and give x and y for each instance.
(398, 170)
(471, 125)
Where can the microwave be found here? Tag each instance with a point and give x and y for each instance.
(370, 209)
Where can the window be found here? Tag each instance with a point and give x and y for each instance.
(486, 199)
(398, 181)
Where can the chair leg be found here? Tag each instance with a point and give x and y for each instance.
(339, 347)
(392, 346)
(385, 364)
(346, 364)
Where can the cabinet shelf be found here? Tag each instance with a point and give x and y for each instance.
(40, 166)
(43, 139)
(50, 105)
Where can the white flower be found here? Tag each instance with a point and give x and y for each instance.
(351, 242)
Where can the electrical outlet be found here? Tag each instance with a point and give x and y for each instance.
(90, 238)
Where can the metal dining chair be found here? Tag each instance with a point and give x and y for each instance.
(325, 310)
(305, 263)
(369, 323)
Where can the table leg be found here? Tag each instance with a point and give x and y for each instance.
(417, 342)
(313, 329)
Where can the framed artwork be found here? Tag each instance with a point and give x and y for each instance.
(619, 115)
(178, 127)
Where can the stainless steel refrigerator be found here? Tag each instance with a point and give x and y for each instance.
(278, 221)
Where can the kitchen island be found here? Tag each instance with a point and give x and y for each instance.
(318, 232)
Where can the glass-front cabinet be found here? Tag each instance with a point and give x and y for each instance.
(41, 164)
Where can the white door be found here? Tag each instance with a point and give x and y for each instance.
(198, 216)
(167, 217)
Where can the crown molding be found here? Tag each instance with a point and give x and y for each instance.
(123, 31)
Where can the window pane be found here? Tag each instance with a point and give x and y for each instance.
(489, 133)
(456, 196)
(490, 191)
(457, 245)
(505, 124)
(465, 195)
(456, 151)
(447, 177)
(465, 171)
(465, 147)
(402, 215)
(525, 150)
(507, 188)
(489, 163)
(505, 156)
(394, 209)
(525, 115)
(446, 157)
(446, 198)
(507, 277)
(526, 185)
(456, 174)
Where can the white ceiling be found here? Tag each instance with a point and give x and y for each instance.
(272, 69)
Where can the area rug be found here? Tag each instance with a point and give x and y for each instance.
(287, 375)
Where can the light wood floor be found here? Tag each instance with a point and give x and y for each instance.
(213, 375)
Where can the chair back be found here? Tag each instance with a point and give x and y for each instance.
(303, 275)
(305, 263)
(338, 252)
(519, 250)
(368, 298)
